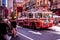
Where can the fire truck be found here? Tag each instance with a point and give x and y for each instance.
(39, 20)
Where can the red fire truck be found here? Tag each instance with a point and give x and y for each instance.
(38, 20)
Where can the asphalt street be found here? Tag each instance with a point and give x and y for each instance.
(31, 34)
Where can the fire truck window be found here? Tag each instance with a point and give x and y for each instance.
(30, 15)
(23, 14)
(39, 15)
(47, 15)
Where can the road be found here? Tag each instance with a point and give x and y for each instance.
(30, 34)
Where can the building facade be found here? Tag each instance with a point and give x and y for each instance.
(55, 4)
(43, 3)
(10, 3)
(55, 7)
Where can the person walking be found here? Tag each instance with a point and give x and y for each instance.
(14, 29)
(3, 30)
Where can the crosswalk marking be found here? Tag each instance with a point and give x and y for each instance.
(36, 32)
(25, 36)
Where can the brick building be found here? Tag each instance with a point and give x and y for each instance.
(55, 4)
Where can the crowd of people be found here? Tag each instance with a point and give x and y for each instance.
(7, 25)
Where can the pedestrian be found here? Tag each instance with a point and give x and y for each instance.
(3, 30)
(2, 38)
(14, 29)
